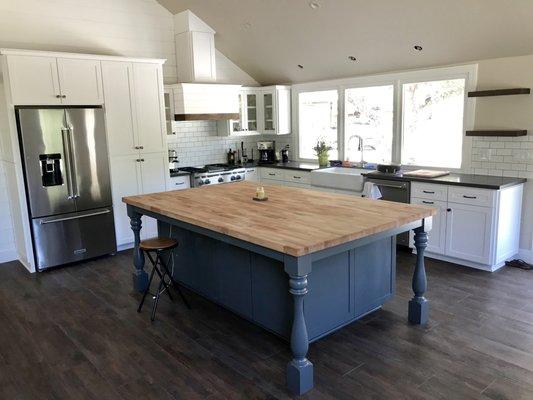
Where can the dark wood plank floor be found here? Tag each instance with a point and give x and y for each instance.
(74, 333)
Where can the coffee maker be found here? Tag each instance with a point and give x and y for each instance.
(267, 152)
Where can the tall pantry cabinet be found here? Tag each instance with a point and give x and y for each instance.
(133, 97)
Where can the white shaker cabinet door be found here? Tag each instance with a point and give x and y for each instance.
(437, 235)
(149, 107)
(154, 172)
(125, 181)
(80, 81)
(468, 232)
(33, 80)
(120, 123)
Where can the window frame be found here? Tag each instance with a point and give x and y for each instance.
(467, 72)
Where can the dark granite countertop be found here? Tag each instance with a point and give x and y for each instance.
(302, 166)
(479, 181)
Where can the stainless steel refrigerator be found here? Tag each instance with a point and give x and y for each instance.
(66, 171)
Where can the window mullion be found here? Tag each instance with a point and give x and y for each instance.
(340, 123)
(396, 156)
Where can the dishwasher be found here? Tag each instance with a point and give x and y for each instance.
(398, 191)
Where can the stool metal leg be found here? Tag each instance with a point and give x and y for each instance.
(156, 300)
(146, 290)
(161, 275)
(172, 281)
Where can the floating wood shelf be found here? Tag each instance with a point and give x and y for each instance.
(499, 92)
(508, 133)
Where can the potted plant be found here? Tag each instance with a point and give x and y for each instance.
(321, 150)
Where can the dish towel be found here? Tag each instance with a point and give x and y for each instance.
(371, 191)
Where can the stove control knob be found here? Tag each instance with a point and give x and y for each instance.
(200, 183)
(233, 178)
(220, 180)
(207, 181)
(237, 177)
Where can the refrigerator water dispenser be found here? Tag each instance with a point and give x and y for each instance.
(50, 169)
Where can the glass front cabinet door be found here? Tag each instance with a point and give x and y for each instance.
(252, 111)
(269, 111)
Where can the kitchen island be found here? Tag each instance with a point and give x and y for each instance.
(301, 265)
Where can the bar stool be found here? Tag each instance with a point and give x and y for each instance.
(154, 249)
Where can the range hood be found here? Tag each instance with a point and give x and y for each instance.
(205, 101)
(198, 96)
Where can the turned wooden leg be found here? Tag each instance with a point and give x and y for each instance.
(140, 277)
(418, 305)
(299, 369)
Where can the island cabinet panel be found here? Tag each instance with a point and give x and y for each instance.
(375, 273)
(341, 287)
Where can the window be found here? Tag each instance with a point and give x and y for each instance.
(317, 121)
(368, 119)
(432, 123)
(415, 118)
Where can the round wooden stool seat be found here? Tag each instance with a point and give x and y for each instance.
(158, 243)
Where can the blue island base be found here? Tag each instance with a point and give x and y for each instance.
(341, 287)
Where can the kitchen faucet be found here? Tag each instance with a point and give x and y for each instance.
(360, 146)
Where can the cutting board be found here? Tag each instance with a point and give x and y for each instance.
(426, 173)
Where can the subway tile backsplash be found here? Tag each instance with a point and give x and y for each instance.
(198, 143)
(503, 156)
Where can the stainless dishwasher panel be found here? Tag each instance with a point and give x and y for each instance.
(73, 237)
(398, 191)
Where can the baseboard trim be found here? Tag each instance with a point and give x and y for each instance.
(125, 246)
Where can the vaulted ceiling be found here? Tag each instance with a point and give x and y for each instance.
(269, 38)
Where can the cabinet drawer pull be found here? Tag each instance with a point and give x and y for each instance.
(428, 192)
(179, 183)
(64, 96)
(427, 202)
(449, 209)
(141, 147)
(271, 174)
(58, 96)
(138, 160)
(297, 177)
(469, 197)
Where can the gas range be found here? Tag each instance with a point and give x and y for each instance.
(214, 174)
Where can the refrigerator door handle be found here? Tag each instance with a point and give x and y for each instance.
(68, 161)
(73, 173)
(50, 221)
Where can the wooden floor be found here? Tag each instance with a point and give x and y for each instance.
(74, 333)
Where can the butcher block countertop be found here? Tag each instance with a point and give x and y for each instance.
(293, 221)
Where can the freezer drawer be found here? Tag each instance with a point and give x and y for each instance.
(66, 238)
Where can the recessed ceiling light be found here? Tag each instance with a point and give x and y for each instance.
(352, 58)
(418, 48)
(315, 5)
(300, 66)
(246, 26)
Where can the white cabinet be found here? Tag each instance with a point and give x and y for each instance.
(131, 175)
(276, 110)
(33, 80)
(264, 110)
(252, 174)
(437, 235)
(468, 232)
(125, 181)
(272, 174)
(149, 106)
(196, 56)
(118, 82)
(134, 107)
(474, 227)
(169, 110)
(80, 81)
(41, 80)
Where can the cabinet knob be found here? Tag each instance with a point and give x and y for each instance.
(449, 209)
(141, 147)
(58, 96)
(64, 96)
(142, 159)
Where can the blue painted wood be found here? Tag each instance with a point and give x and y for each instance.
(331, 284)
(418, 305)
(299, 369)
(374, 268)
(140, 277)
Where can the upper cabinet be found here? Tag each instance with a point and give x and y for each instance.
(262, 110)
(41, 80)
(134, 107)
